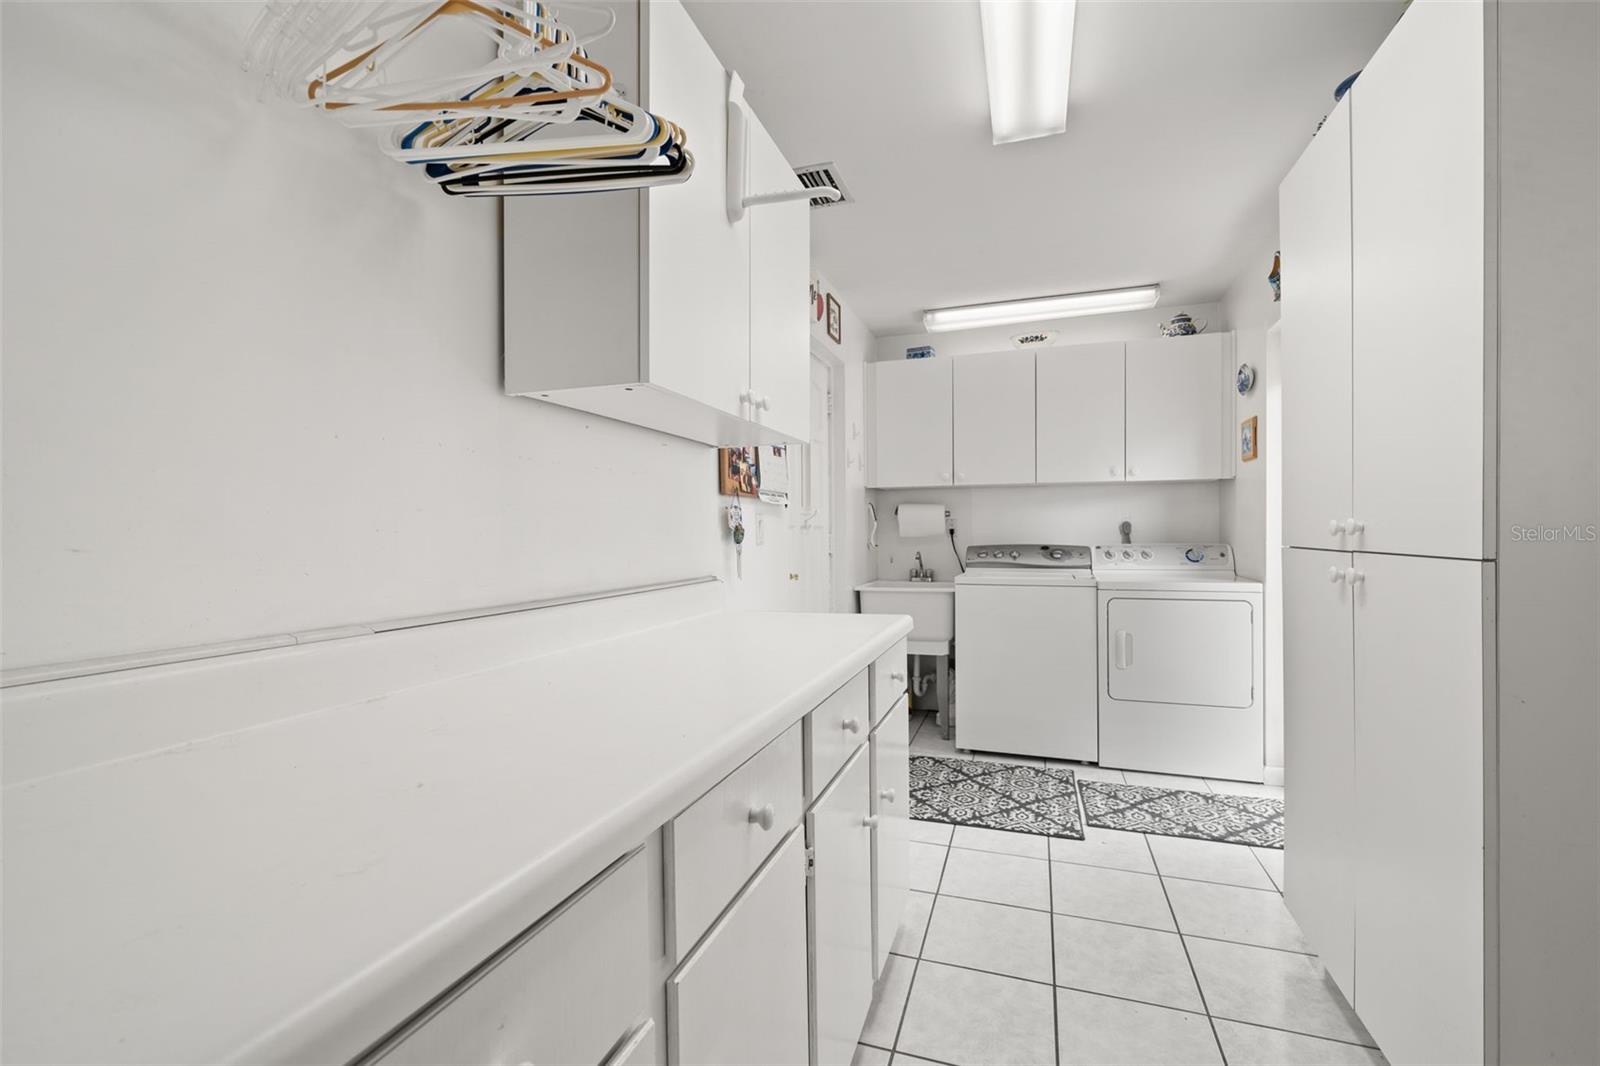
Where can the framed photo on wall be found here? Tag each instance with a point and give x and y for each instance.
(739, 471)
(835, 320)
(1247, 439)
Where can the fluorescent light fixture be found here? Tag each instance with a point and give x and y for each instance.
(1011, 312)
(1027, 46)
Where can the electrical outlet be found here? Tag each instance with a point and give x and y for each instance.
(758, 535)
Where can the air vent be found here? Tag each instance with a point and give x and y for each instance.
(823, 175)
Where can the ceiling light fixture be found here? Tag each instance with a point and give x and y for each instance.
(1011, 312)
(1027, 47)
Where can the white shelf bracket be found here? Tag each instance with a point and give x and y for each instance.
(739, 199)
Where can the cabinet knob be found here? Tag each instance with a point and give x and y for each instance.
(1132, 472)
(1354, 525)
(764, 403)
(887, 795)
(1113, 471)
(762, 816)
(1354, 576)
(899, 676)
(1335, 575)
(850, 725)
(870, 821)
(1335, 527)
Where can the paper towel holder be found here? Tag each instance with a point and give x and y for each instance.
(946, 513)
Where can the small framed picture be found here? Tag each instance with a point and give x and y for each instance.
(835, 320)
(1247, 439)
(739, 471)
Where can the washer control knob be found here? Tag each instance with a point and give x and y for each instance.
(1016, 555)
(1058, 554)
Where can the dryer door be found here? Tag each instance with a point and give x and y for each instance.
(1179, 651)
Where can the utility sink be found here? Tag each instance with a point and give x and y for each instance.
(931, 605)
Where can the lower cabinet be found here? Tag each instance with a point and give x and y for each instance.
(573, 988)
(1319, 743)
(839, 906)
(1385, 658)
(891, 830)
(740, 997)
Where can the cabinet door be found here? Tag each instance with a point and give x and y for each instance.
(1079, 413)
(780, 274)
(1417, 191)
(891, 835)
(1174, 404)
(1319, 742)
(741, 996)
(1314, 227)
(1420, 650)
(994, 419)
(696, 332)
(909, 430)
(840, 908)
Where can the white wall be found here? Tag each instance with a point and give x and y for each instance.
(252, 371)
(852, 562)
(1045, 514)
(1085, 330)
(1248, 309)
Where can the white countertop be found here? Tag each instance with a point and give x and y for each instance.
(287, 890)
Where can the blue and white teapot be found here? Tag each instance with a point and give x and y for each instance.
(1181, 325)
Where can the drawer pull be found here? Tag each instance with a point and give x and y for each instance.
(762, 816)
(850, 725)
(870, 821)
(887, 795)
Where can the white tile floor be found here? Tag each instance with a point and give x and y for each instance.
(1121, 948)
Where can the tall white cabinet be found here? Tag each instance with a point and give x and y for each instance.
(1437, 719)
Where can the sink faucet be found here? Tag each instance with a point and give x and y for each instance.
(920, 572)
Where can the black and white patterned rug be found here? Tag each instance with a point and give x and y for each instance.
(1174, 812)
(995, 795)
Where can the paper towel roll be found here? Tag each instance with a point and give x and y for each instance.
(921, 519)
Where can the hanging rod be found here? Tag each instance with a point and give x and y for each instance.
(739, 198)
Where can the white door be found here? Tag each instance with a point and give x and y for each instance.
(1421, 627)
(1180, 651)
(1174, 408)
(1314, 228)
(1027, 671)
(1079, 413)
(1319, 756)
(840, 899)
(1417, 189)
(816, 524)
(891, 836)
(909, 426)
(699, 269)
(780, 278)
(740, 997)
(994, 411)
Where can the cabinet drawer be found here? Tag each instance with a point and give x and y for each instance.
(834, 730)
(719, 841)
(573, 988)
(741, 996)
(889, 675)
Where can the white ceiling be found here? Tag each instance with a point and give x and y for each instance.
(1184, 116)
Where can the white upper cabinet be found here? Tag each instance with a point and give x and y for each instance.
(994, 411)
(650, 306)
(910, 423)
(1175, 408)
(1079, 413)
(1420, 420)
(1314, 228)
(780, 278)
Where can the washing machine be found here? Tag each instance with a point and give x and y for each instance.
(1180, 672)
(1025, 643)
